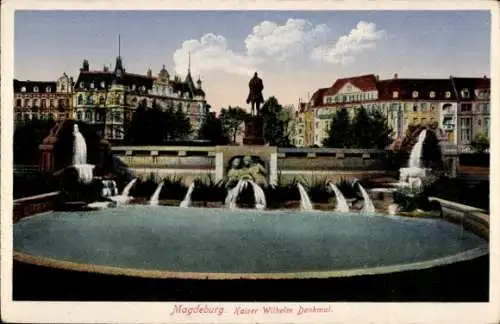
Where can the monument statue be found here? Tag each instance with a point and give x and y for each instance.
(247, 168)
(255, 97)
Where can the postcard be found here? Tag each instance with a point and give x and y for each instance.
(249, 162)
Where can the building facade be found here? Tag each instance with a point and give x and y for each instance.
(459, 106)
(107, 99)
(38, 100)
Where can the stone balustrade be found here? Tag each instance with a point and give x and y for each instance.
(27, 206)
(472, 218)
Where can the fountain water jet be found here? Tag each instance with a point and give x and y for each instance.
(411, 176)
(342, 205)
(259, 195)
(156, 195)
(80, 157)
(124, 197)
(305, 201)
(368, 208)
(186, 202)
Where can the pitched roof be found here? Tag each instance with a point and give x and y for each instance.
(103, 79)
(366, 82)
(469, 84)
(30, 86)
(424, 87)
(317, 97)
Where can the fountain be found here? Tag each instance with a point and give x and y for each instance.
(259, 195)
(156, 195)
(368, 208)
(80, 157)
(342, 205)
(124, 197)
(411, 176)
(305, 201)
(109, 188)
(187, 199)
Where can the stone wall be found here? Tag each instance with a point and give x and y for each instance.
(28, 206)
(190, 162)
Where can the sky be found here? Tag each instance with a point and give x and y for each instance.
(294, 52)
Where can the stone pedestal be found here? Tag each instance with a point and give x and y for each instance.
(254, 131)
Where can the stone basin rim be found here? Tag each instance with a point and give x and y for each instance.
(321, 274)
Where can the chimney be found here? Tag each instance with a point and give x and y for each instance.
(377, 77)
(485, 77)
(395, 75)
(149, 73)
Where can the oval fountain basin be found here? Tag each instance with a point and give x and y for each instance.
(158, 241)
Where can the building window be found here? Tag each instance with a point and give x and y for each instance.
(103, 84)
(35, 89)
(36, 103)
(23, 89)
(27, 102)
(80, 99)
(415, 94)
(423, 107)
(91, 85)
(467, 107)
(465, 93)
(81, 85)
(487, 126)
(88, 116)
(51, 103)
(44, 103)
(18, 102)
(394, 94)
(479, 122)
(432, 94)
(79, 115)
(447, 94)
(48, 89)
(101, 100)
(415, 108)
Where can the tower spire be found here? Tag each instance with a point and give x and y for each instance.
(189, 61)
(119, 45)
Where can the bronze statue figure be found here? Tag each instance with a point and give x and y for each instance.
(255, 97)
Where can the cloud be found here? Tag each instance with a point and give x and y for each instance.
(211, 53)
(272, 43)
(281, 42)
(268, 42)
(364, 37)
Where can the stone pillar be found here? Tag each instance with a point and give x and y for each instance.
(273, 169)
(254, 131)
(219, 166)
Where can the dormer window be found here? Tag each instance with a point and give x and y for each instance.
(81, 85)
(415, 94)
(35, 89)
(133, 87)
(23, 89)
(143, 88)
(395, 94)
(103, 84)
(465, 93)
(92, 85)
(48, 89)
(447, 94)
(432, 94)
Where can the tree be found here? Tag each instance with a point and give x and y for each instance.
(212, 130)
(361, 129)
(381, 131)
(365, 130)
(232, 120)
(27, 138)
(480, 143)
(182, 124)
(339, 134)
(275, 123)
